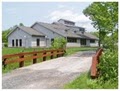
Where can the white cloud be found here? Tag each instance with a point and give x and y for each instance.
(70, 14)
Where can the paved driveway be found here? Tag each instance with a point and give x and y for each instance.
(51, 74)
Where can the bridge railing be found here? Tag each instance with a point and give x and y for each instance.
(22, 57)
(95, 61)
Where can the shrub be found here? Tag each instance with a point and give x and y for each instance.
(6, 44)
(109, 66)
(59, 43)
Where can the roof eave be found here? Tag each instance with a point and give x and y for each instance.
(38, 35)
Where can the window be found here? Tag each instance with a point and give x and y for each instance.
(92, 41)
(20, 42)
(16, 42)
(52, 40)
(83, 41)
(75, 31)
(69, 23)
(12, 43)
(72, 40)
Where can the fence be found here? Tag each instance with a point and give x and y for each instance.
(95, 62)
(21, 57)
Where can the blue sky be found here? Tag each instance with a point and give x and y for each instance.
(28, 13)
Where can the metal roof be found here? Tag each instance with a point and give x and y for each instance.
(66, 31)
(31, 31)
(28, 30)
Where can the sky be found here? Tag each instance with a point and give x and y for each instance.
(28, 13)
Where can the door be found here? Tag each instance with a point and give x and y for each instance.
(38, 42)
(83, 41)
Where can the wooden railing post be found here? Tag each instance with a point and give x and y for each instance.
(57, 52)
(35, 59)
(44, 58)
(63, 52)
(21, 64)
(51, 55)
(3, 63)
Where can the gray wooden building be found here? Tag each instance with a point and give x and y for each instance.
(42, 34)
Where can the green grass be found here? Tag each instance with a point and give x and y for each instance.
(18, 50)
(85, 82)
(72, 50)
(13, 66)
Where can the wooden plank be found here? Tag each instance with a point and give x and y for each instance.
(94, 67)
(28, 53)
(23, 56)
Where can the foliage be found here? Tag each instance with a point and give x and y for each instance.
(4, 35)
(21, 24)
(85, 82)
(6, 44)
(104, 16)
(59, 43)
(95, 33)
(109, 66)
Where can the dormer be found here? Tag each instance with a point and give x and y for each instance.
(66, 22)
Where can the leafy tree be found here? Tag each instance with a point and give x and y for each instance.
(4, 35)
(104, 16)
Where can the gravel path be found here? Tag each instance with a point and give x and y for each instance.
(51, 74)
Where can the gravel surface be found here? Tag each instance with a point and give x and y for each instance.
(51, 74)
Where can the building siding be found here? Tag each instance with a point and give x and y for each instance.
(94, 44)
(19, 34)
(72, 44)
(50, 34)
(42, 41)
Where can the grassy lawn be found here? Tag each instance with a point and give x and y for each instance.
(13, 66)
(72, 50)
(85, 82)
(18, 50)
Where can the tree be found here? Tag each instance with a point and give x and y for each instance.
(21, 24)
(4, 35)
(104, 16)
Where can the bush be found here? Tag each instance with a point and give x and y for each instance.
(85, 82)
(109, 66)
(6, 44)
(59, 43)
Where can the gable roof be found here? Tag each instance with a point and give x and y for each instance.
(87, 36)
(31, 31)
(28, 30)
